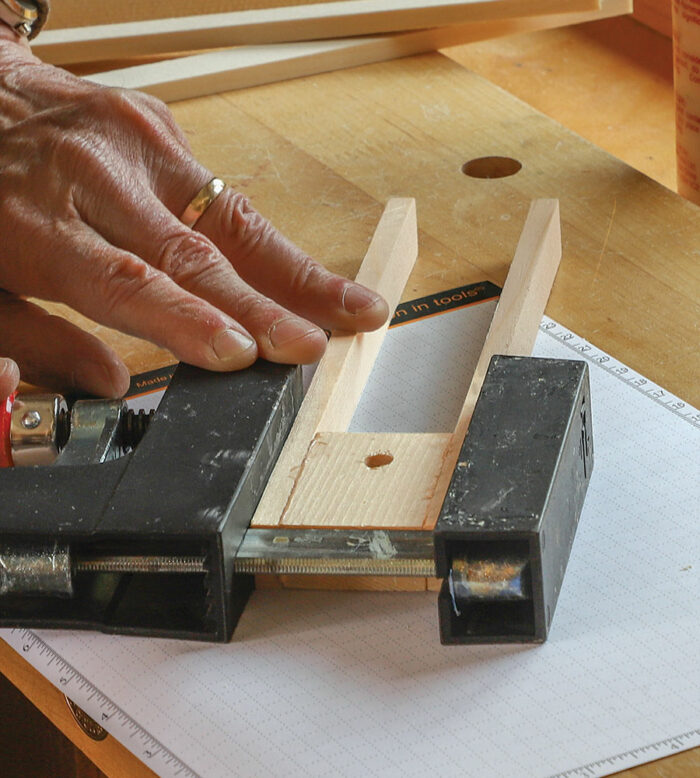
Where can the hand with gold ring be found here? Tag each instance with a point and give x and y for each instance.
(103, 207)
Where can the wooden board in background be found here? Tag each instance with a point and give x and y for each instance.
(82, 13)
(77, 13)
(244, 66)
(274, 25)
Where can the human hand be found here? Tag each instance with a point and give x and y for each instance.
(93, 181)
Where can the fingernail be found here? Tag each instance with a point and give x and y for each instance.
(7, 366)
(357, 299)
(286, 331)
(230, 344)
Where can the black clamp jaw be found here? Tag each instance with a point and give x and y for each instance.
(81, 542)
(504, 535)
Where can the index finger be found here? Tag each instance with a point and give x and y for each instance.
(267, 260)
(270, 262)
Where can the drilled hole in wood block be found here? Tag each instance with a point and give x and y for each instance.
(381, 459)
(491, 167)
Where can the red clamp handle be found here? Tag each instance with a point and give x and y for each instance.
(5, 421)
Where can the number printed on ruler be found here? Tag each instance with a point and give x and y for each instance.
(76, 686)
(643, 385)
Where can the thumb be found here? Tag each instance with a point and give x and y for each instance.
(9, 377)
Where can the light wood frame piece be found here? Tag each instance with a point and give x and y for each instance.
(327, 476)
(275, 25)
(246, 66)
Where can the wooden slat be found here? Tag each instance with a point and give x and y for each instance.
(522, 302)
(276, 25)
(343, 371)
(515, 322)
(247, 66)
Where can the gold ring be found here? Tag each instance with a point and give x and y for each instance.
(201, 201)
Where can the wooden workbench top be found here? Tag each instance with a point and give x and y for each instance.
(319, 156)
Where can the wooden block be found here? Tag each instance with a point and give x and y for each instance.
(246, 66)
(278, 25)
(367, 480)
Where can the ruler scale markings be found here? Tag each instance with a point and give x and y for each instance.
(593, 769)
(626, 374)
(63, 675)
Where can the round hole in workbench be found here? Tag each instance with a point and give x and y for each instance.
(373, 461)
(491, 167)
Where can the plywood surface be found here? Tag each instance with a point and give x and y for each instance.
(320, 156)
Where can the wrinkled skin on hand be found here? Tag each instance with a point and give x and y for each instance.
(92, 181)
